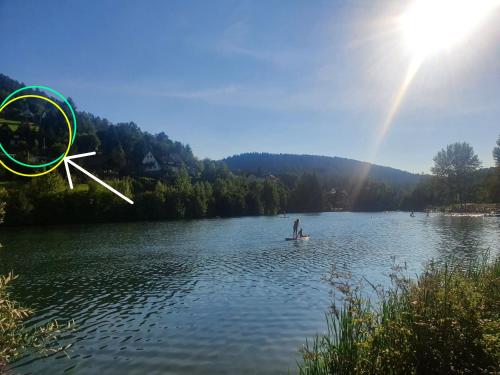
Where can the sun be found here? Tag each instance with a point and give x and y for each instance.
(430, 26)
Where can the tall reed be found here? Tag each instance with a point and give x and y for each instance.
(15, 338)
(447, 321)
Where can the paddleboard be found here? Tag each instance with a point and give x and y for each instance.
(297, 239)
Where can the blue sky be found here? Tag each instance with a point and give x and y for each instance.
(227, 77)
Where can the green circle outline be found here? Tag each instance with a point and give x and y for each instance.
(61, 96)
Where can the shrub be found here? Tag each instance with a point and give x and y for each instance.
(445, 322)
(3, 197)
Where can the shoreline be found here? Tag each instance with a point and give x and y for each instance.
(289, 216)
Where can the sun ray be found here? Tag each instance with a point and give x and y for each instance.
(389, 118)
(413, 68)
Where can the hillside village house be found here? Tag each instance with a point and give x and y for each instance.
(150, 164)
(170, 163)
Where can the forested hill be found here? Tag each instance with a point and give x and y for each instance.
(121, 148)
(278, 164)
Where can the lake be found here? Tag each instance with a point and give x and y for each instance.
(215, 296)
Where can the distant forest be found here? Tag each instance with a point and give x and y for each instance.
(166, 181)
(266, 163)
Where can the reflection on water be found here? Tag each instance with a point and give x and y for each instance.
(462, 237)
(215, 296)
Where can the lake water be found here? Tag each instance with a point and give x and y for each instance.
(219, 296)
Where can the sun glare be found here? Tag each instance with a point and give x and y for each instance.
(433, 25)
(428, 27)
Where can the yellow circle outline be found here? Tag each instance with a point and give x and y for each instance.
(69, 139)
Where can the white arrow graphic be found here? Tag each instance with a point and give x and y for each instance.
(68, 160)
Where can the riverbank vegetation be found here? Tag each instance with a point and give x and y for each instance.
(15, 338)
(447, 321)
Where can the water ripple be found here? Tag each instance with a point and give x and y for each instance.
(218, 296)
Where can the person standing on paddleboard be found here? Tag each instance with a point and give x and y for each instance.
(295, 228)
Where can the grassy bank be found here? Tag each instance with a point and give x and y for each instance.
(447, 321)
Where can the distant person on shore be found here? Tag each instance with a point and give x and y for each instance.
(295, 228)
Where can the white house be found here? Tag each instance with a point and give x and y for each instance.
(150, 163)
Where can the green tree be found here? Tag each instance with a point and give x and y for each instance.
(270, 197)
(56, 149)
(151, 204)
(456, 165)
(47, 184)
(182, 181)
(3, 197)
(375, 196)
(230, 196)
(87, 142)
(308, 195)
(19, 208)
(431, 191)
(178, 196)
(253, 200)
(202, 194)
(2, 211)
(494, 186)
(496, 152)
(118, 158)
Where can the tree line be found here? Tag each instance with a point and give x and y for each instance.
(217, 192)
(458, 179)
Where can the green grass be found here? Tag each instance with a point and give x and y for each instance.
(445, 322)
(14, 124)
(81, 187)
(77, 187)
(9, 122)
